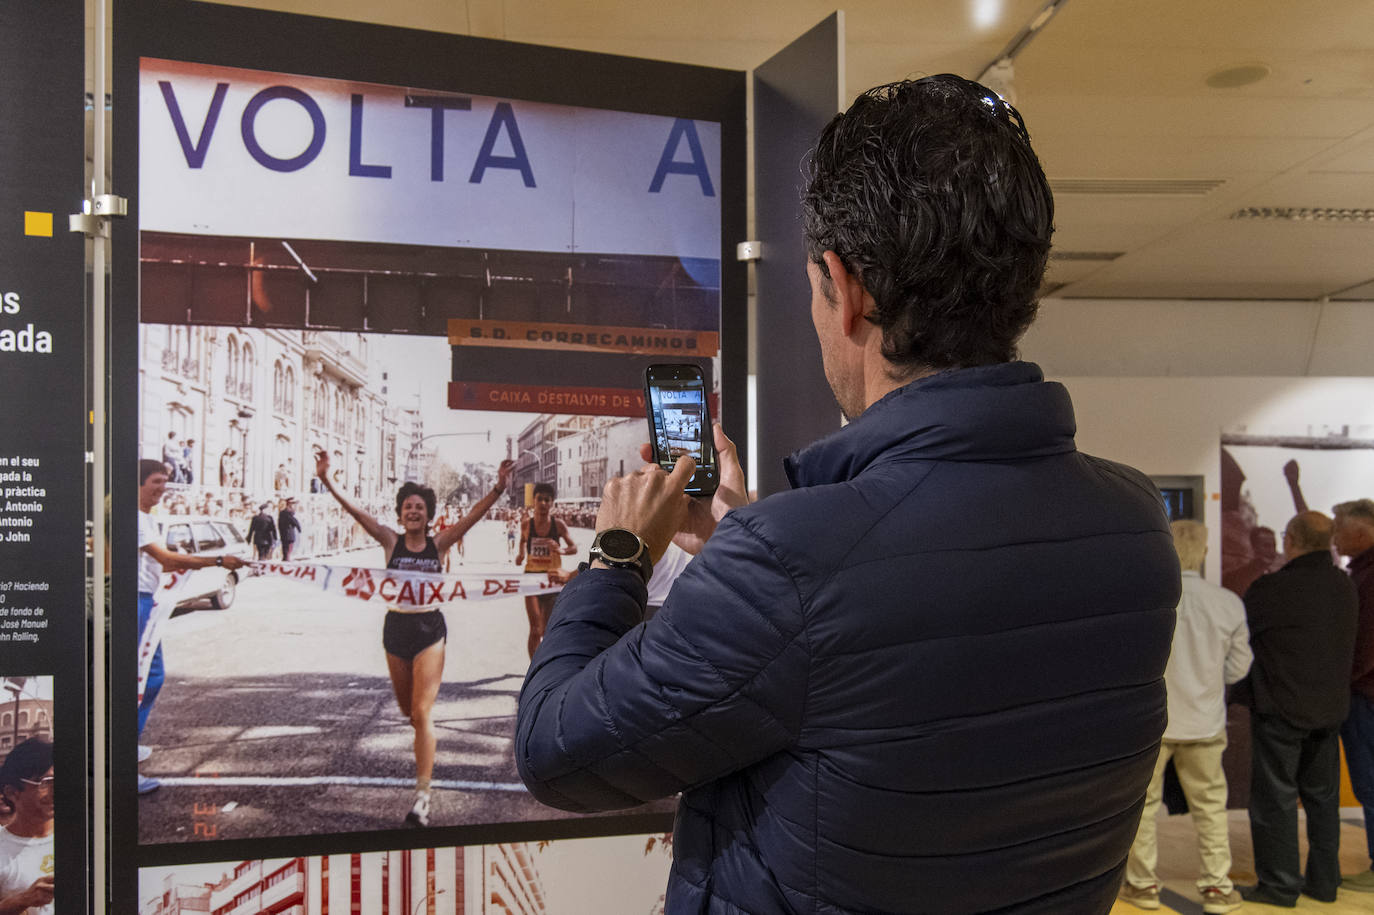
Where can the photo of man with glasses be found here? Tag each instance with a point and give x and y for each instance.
(26, 841)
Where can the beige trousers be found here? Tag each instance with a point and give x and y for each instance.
(1198, 763)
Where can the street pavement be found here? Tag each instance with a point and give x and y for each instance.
(277, 716)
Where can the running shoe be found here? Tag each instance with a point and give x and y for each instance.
(419, 814)
(1215, 900)
(1142, 897)
(148, 784)
(144, 752)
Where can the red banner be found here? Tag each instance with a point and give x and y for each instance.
(539, 398)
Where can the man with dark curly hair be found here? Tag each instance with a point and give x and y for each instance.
(930, 677)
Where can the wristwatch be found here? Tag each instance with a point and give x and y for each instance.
(622, 549)
(219, 560)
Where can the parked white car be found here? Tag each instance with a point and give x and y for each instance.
(202, 536)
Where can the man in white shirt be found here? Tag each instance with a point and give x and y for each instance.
(153, 559)
(26, 846)
(1211, 649)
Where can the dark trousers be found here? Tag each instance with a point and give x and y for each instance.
(264, 551)
(286, 547)
(1288, 763)
(1358, 736)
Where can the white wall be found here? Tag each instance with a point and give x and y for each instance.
(1188, 337)
(1168, 426)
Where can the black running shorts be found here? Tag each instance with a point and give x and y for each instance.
(407, 634)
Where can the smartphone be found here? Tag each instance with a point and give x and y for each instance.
(680, 422)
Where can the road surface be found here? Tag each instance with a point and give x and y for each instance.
(277, 716)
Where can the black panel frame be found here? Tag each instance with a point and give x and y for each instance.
(207, 33)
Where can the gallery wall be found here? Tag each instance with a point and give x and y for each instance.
(1186, 337)
(1173, 426)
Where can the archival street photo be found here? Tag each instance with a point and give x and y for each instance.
(382, 385)
(568, 875)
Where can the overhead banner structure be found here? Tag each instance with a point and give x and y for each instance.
(358, 277)
(43, 628)
(245, 153)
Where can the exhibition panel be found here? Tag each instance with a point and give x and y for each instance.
(43, 608)
(443, 263)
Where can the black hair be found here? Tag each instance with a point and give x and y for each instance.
(928, 191)
(147, 467)
(415, 489)
(29, 759)
(544, 488)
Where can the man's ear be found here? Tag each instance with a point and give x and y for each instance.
(850, 296)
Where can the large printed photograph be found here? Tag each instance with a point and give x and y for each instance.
(534, 878)
(27, 820)
(391, 348)
(1271, 473)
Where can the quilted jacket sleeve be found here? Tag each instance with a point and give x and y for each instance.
(615, 712)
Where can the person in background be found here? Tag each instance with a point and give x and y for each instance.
(173, 456)
(187, 460)
(1302, 631)
(1264, 558)
(26, 841)
(262, 532)
(289, 526)
(1211, 650)
(539, 551)
(1354, 538)
(153, 559)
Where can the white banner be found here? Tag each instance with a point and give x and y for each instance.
(413, 591)
(227, 151)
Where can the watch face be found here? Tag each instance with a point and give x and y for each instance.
(619, 544)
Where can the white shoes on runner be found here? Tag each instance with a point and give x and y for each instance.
(419, 813)
(144, 752)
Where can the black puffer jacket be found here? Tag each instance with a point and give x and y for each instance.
(928, 679)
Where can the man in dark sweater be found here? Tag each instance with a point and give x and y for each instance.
(262, 531)
(289, 527)
(1302, 630)
(1354, 537)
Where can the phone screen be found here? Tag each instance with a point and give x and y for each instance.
(680, 421)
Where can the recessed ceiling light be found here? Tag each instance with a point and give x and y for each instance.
(987, 13)
(1238, 75)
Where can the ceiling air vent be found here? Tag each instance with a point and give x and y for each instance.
(1056, 255)
(1137, 187)
(1306, 214)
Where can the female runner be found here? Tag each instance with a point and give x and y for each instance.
(414, 640)
(539, 536)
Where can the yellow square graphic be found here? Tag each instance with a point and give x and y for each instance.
(37, 223)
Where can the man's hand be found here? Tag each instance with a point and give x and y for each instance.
(232, 562)
(39, 893)
(732, 492)
(322, 464)
(503, 473)
(648, 502)
(1291, 473)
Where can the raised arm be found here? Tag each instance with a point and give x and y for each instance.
(1290, 473)
(378, 531)
(451, 535)
(571, 547)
